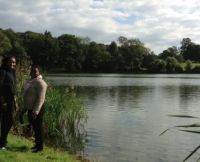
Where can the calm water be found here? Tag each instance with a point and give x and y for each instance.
(128, 112)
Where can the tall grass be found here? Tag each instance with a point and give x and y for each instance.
(65, 117)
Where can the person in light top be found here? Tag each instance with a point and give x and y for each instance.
(34, 98)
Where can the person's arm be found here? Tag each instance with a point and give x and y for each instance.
(16, 104)
(41, 93)
(2, 76)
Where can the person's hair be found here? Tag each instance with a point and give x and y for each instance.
(6, 59)
(38, 67)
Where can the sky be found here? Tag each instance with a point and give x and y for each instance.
(159, 24)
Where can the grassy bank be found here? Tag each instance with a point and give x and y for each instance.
(19, 150)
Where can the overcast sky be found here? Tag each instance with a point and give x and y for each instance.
(159, 24)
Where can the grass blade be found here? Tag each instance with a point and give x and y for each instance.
(181, 126)
(189, 126)
(191, 153)
(183, 116)
(191, 131)
(165, 131)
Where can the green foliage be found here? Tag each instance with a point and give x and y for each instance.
(171, 64)
(190, 50)
(158, 65)
(196, 69)
(60, 108)
(171, 52)
(5, 44)
(42, 46)
(188, 66)
(69, 53)
(22, 76)
(65, 117)
(132, 52)
(97, 58)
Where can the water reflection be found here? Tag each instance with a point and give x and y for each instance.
(121, 96)
(127, 114)
(188, 94)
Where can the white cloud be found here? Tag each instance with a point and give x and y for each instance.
(158, 24)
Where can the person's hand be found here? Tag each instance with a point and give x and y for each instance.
(16, 107)
(35, 114)
(16, 104)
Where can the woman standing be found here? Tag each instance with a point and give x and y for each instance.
(8, 102)
(34, 97)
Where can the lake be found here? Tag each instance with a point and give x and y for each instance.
(126, 114)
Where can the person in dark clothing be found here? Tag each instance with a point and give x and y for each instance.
(8, 104)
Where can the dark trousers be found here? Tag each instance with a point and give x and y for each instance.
(6, 123)
(37, 127)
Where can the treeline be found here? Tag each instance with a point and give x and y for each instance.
(69, 53)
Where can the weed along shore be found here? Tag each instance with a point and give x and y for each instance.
(19, 150)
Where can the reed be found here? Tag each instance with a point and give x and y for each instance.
(65, 118)
(186, 128)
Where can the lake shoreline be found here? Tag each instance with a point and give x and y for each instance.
(19, 148)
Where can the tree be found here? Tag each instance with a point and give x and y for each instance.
(42, 48)
(190, 50)
(71, 52)
(170, 52)
(186, 44)
(34, 44)
(194, 52)
(171, 64)
(132, 52)
(52, 50)
(123, 40)
(97, 58)
(114, 54)
(158, 66)
(148, 60)
(5, 44)
(188, 66)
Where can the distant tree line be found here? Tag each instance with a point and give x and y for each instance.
(72, 54)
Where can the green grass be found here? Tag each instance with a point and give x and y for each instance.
(19, 150)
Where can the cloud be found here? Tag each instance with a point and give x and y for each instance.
(158, 24)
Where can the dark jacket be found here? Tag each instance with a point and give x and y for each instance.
(7, 84)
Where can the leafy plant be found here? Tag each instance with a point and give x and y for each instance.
(64, 119)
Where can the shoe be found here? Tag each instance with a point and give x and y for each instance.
(2, 148)
(37, 150)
